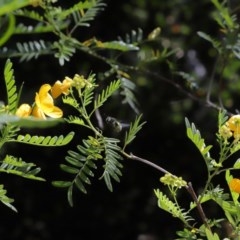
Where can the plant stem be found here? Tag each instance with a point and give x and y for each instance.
(133, 157)
(191, 191)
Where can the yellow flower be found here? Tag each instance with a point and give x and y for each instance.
(44, 104)
(225, 131)
(234, 185)
(172, 180)
(79, 81)
(24, 110)
(35, 3)
(61, 87)
(234, 125)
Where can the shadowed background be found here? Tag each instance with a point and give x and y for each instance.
(130, 212)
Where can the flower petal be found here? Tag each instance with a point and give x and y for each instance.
(24, 110)
(56, 113)
(234, 123)
(38, 113)
(56, 89)
(66, 84)
(43, 99)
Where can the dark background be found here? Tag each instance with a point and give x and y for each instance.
(131, 211)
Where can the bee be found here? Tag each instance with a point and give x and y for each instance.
(115, 124)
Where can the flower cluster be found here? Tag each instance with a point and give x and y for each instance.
(44, 101)
(80, 82)
(172, 180)
(231, 128)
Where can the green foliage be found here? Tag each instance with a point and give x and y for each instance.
(46, 141)
(5, 199)
(167, 205)
(119, 45)
(134, 37)
(106, 93)
(98, 152)
(12, 165)
(32, 49)
(199, 142)
(112, 165)
(9, 6)
(10, 21)
(11, 87)
(135, 127)
(55, 20)
(81, 17)
(82, 164)
(97, 149)
(127, 91)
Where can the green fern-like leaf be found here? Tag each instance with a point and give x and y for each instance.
(127, 91)
(194, 135)
(224, 17)
(29, 14)
(5, 199)
(87, 93)
(12, 165)
(216, 44)
(80, 164)
(135, 127)
(75, 120)
(167, 205)
(64, 48)
(39, 28)
(119, 45)
(32, 49)
(112, 166)
(11, 86)
(222, 117)
(135, 37)
(191, 79)
(47, 141)
(70, 101)
(83, 163)
(106, 93)
(84, 12)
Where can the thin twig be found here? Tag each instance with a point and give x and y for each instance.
(154, 75)
(191, 191)
(133, 157)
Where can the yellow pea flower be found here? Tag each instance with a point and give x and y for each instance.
(44, 104)
(61, 87)
(234, 125)
(225, 132)
(24, 110)
(234, 185)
